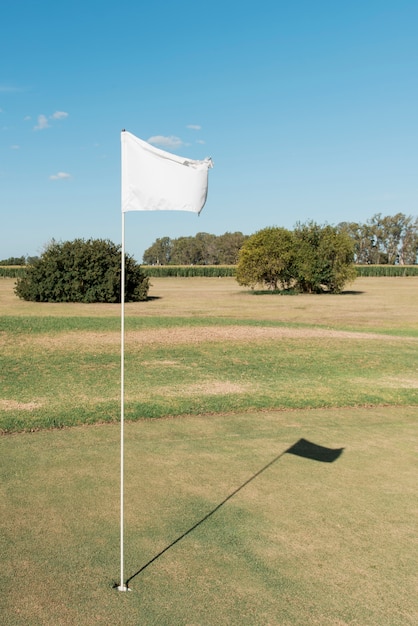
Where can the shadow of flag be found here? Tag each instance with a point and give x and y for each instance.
(312, 451)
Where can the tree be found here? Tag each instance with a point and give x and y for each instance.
(14, 260)
(267, 257)
(388, 240)
(408, 249)
(399, 239)
(228, 247)
(206, 248)
(159, 253)
(311, 259)
(186, 251)
(82, 271)
(202, 249)
(325, 258)
(366, 250)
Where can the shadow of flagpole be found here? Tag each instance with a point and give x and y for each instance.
(302, 448)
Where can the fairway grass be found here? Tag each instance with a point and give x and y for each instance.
(222, 527)
(56, 384)
(204, 346)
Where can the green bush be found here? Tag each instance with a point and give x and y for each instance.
(267, 258)
(82, 271)
(312, 259)
(324, 258)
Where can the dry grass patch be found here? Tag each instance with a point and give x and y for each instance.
(13, 405)
(400, 381)
(211, 388)
(91, 341)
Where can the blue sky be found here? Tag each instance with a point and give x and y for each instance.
(308, 109)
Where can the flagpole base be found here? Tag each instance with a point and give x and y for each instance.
(122, 588)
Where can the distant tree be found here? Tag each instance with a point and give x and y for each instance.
(398, 238)
(366, 250)
(14, 260)
(408, 249)
(206, 248)
(202, 249)
(186, 251)
(228, 247)
(384, 239)
(159, 253)
(267, 258)
(82, 271)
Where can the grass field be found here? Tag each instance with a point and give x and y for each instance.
(222, 526)
(206, 346)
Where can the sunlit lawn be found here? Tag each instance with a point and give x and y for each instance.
(222, 526)
(266, 352)
(303, 542)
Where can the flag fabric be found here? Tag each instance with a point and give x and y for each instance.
(155, 180)
(310, 450)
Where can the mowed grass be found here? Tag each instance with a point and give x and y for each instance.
(203, 346)
(50, 387)
(222, 526)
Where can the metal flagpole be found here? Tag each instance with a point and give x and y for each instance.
(122, 586)
(172, 196)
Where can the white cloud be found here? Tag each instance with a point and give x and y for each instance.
(200, 141)
(42, 123)
(167, 142)
(60, 176)
(194, 127)
(43, 120)
(14, 147)
(59, 115)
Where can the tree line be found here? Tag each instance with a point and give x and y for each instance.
(391, 239)
(310, 259)
(381, 240)
(202, 249)
(18, 260)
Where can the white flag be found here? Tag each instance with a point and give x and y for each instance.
(155, 180)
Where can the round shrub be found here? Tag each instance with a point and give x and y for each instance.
(82, 271)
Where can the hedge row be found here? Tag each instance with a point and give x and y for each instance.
(229, 270)
(387, 270)
(12, 272)
(220, 271)
(159, 271)
(211, 271)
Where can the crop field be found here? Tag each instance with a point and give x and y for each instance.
(223, 526)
